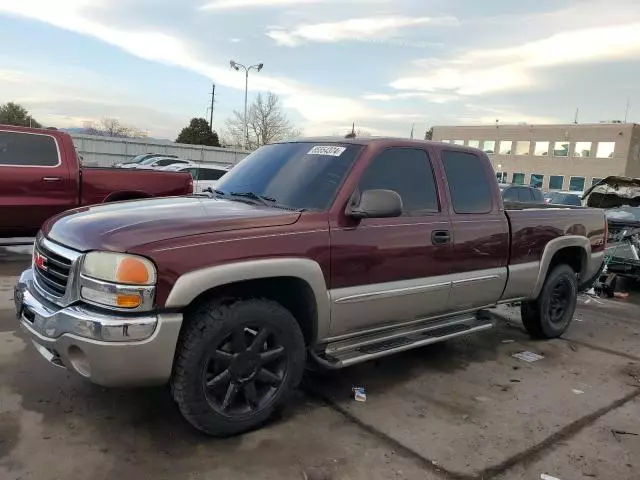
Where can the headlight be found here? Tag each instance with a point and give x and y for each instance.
(119, 268)
(118, 280)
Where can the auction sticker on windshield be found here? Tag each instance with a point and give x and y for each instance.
(331, 150)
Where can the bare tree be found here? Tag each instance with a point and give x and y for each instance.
(266, 123)
(111, 127)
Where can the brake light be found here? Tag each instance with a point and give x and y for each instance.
(190, 185)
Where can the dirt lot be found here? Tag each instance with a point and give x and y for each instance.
(463, 409)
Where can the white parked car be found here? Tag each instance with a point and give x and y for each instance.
(157, 163)
(204, 175)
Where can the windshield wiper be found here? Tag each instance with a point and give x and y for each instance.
(266, 201)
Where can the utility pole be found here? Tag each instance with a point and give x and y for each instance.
(213, 94)
(575, 119)
(626, 112)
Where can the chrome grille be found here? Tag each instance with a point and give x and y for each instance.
(52, 270)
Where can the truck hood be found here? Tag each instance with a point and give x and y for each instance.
(121, 226)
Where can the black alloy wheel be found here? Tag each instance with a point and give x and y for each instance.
(237, 361)
(245, 370)
(559, 301)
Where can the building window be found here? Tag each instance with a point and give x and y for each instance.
(605, 149)
(474, 143)
(595, 181)
(502, 177)
(583, 149)
(458, 142)
(541, 149)
(536, 180)
(561, 149)
(522, 148)
(576, 184)
(505, 147)
(518, 178)
(489, 146)
(556, 182)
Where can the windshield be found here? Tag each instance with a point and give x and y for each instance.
(297, 175)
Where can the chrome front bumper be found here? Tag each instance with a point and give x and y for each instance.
(107, 348)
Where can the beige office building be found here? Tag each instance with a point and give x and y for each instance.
(553, 157)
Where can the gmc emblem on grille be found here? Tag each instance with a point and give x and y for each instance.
(40, 261)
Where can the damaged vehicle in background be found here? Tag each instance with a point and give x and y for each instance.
(620, 198)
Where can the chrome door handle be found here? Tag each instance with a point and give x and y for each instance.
(51, 179)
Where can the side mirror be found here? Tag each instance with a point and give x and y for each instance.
(377, 204)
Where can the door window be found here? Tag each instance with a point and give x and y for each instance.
(211, 173)
(468, 183)
(28, 150)
(408, 172)
(525, 195)
(510, 195)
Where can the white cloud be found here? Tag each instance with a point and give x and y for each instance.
(240, 4)
(477, 72)
(429, 97)
(357, 29)
(164, 48)
(481, 114)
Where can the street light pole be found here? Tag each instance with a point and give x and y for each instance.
(246, 125)
(237, 66)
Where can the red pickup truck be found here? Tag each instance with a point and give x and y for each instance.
(41, 176)
(329, 251)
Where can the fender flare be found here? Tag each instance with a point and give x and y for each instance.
(190, 285)
(553, 247)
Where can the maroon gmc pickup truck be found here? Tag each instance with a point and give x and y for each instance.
(41, 176)
(323, 251)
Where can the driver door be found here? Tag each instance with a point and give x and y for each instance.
(392, 270)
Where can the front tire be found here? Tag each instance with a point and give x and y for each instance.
(551, 313)
(237, 362)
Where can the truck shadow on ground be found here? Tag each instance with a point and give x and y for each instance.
(149, 415)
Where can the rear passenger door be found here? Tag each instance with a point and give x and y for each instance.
(35, 183)
(390, 270)
(480, 232)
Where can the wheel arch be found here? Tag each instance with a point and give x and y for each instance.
(297, 284)
(573, 250)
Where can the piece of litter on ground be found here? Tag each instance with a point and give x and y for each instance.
(359, 394)
(508, 341)
(621, 294)
(527, 356)
(483, 399)
(544, 476)
(577, 392)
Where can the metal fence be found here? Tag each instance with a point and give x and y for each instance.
(98, 151)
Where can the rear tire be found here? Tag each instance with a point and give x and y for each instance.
(237, 362)
(551, 313)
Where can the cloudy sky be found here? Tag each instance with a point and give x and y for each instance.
(385, 64)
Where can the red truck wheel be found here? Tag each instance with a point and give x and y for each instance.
(236, 363)
(551, 313)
